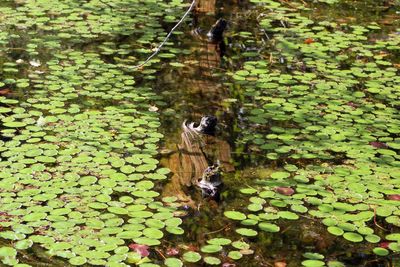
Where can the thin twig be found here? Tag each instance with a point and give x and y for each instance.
(219, 230)
(286, 229)
(250, 186)
(166, 38)
(376, 223)
(304, 3)
(161, 254)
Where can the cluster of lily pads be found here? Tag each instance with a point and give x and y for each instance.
(214, 247)
(78, 179)
(324, 98)
(79, 139)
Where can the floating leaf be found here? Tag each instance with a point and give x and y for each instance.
(219, 241)
(335, 230)
(78, 260)
(312, 263)
(211, 248)
(191, 256)
(246, 232)
(143, 250)
(212, 260)
(287, 191)
(7, 252)
(235, 215)
(269, 227)
(353, 237)
(173, 262)
(235, 255)
(381, 251)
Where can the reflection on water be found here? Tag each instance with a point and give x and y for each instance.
(206, 6)
(189, 163)
(196, 92)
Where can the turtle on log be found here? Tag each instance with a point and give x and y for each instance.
(198, 162)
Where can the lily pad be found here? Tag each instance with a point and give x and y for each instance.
(191, 256)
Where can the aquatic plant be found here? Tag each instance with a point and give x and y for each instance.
(80, 139)
(325, 102)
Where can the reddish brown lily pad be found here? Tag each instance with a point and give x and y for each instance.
(143, 250)
(309, 41)
(394, 197)
(384, 244)
(287, 191)
(377, 144)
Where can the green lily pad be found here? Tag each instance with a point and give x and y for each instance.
(173, 262)
(191, 256)
(212, 260)
(381, 251)
(211, 248)
(7, 252)
(335, 230)
(78, 260)
(353, 237)
(269, 227)
(235, 215)
(246, 232)
(219, 241)
(235, 255)
(153, 233)
(312, 263)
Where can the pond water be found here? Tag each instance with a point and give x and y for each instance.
(307, 96)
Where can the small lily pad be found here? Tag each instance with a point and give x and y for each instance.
(381, 251)
(246, 232)
(173, 262)
(269, 227)
(211, 248)
(235, 255)
(78, 260)
(312, 263)
(212, 260)
(191, 256)
(353, 237)
(219, 241)
(235, 215)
